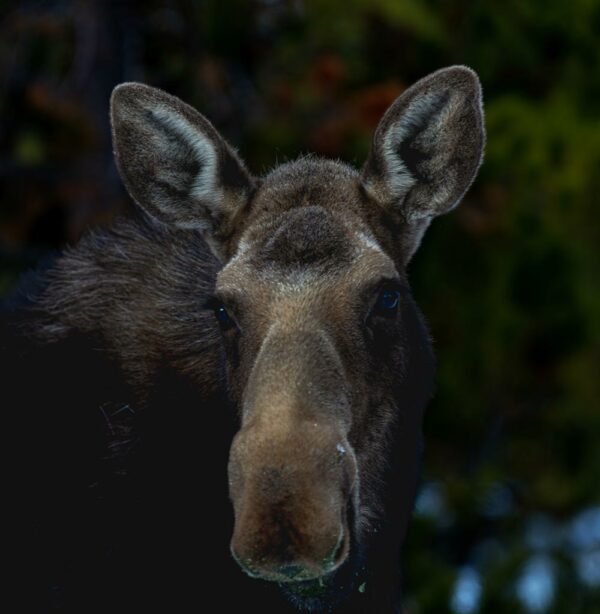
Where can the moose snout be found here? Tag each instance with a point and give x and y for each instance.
(290, 506)
(287, 554)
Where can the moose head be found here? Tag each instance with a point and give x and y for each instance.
(327, 359)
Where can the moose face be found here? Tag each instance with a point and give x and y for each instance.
(312, 301)
(310, 319)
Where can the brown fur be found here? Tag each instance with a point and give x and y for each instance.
(299, 258)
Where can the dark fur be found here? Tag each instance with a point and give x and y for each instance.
(128, 396)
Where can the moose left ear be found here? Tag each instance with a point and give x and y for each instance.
(175, 165)
(427, 149)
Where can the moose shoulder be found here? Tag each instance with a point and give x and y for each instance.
(229, 388)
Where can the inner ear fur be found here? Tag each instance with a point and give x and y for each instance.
(175, 164)
(427, 148)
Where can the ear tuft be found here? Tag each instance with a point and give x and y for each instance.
(428, 146)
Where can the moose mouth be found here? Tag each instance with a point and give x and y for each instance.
(305, 589)
(312, 594)
(330, 588)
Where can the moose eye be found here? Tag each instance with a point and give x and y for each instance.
(387, 303)
(225, 321)
(223, 318)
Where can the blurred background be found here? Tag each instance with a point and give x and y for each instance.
(508, 518)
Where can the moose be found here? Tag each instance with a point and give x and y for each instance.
(225, 392)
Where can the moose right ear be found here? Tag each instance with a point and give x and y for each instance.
(426, 150)
(175, 165)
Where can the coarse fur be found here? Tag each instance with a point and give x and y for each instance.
(299, 406)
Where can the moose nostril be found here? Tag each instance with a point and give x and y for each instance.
(338, 550)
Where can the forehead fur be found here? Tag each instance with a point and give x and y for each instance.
(308, 181)
(307, 236)
(307, 219)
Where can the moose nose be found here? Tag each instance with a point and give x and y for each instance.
(270, 568)
(291, 508)
(285, 566)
